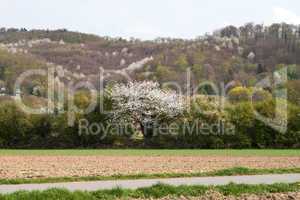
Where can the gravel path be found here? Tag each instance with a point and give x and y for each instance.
(134, 184)
(74, 166)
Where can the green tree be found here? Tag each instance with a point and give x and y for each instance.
(182, 62)
(239, 94)
(14, 125)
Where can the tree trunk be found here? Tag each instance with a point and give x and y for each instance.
(147, 130)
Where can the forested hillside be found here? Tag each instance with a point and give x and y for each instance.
(240, 54)
(237, 57)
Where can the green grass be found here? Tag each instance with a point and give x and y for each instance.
(151, 152)
(157, 191)
(225, 172)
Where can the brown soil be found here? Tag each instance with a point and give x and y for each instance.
(217, 196)
(66, 166)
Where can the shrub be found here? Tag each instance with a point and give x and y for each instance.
(239, 94)
(197, 129)
(241, 116)
(14, 125)
(259, 95)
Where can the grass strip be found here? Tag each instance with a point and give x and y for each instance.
(157, 191)
(225, 172)
(150, 152)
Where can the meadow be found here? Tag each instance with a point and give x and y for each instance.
(150, 152)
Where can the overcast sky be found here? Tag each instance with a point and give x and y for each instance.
(145, 19)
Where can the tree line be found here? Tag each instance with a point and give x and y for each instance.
(204, 125)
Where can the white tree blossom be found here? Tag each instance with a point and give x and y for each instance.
(251, 56)
(144, 102)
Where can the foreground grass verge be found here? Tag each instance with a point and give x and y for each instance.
(151, 152)
(157, 191)
(225, 172)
